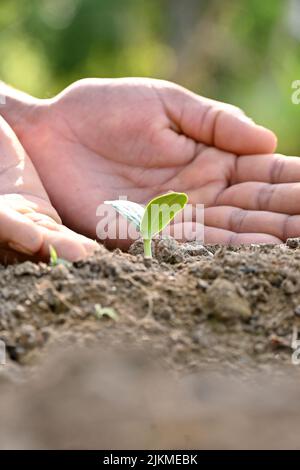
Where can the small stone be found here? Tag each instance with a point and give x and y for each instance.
(289, 287)
(224, 303)
(201, 284)
(27, 268)
(248, 269)
(293, 243)
(175, 335)
(195, 249)
(297, 311)
(148, 262)
(60, 272)
(5, 293)
(200, 339)
(19, 311)
(259, 348)
(28, 337)
(275, 279)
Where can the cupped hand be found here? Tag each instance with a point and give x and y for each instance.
(28, 221)
(101, 139)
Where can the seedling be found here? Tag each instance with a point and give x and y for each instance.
(109, 312)
(152, 219)
(54, 259)
(53, 256)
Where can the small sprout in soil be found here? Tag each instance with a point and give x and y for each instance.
(53, 256)
(149, 221)
(109, 312)
(55, 260)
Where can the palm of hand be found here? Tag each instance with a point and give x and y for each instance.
(109, 138)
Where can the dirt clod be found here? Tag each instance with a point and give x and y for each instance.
(224, 303)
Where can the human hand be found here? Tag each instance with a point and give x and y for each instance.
(28, 222)
(100, 139)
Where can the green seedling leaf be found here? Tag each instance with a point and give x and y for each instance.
(53, 256)
(158, 214)
(101, 312)
(160, 211)
(130, 210)
(55, 260)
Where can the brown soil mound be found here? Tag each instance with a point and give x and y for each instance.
(230, 311)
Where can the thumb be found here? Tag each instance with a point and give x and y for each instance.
(216, 124)
(17, 173)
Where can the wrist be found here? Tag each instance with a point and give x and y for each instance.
(19, 109)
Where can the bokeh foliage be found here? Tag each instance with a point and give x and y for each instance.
(245, 52)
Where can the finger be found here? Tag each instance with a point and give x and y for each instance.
(18, 232)
(65, 247)
(30, 206)
(17, 173)
(216, 124)
(89, 245)
(68, 244)
(185, 231)
(243, 221)
(272, 168)
(218, 236)
(211, 235)
(282, 198)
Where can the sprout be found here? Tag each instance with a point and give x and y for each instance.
(53, 256)
(55, 260)
(154, 218)
(109, 312)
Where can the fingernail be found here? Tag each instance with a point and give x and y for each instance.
(20, 248)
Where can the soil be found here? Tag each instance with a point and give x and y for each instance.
(210, 332)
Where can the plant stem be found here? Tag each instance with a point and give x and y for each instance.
(147, 248)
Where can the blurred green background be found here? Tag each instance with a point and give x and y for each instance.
(246, 52)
